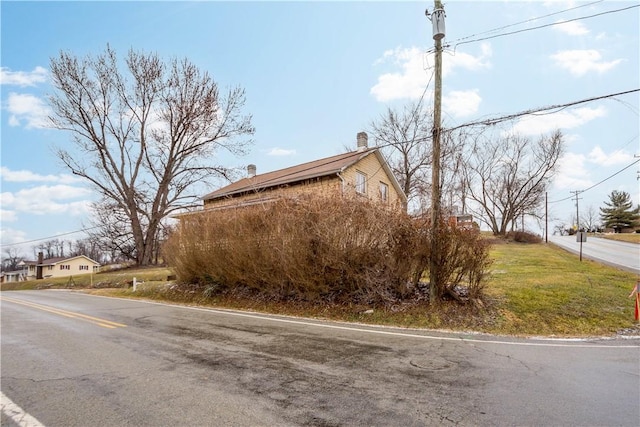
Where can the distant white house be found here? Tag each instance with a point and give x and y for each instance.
(12, 276)
(58, 267)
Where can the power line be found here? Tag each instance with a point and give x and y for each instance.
(629, 141)
(500, 119)
(47, 238)
(543, 26)
(526, 21)
(608, 178)
(595, 185)
(494, 121)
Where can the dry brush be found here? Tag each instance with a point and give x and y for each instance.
(326, 249)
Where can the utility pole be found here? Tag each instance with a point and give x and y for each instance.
(577, 210)
(546, 217)
(437, 19)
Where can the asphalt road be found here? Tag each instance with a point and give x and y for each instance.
(70, 359)
(622, 255)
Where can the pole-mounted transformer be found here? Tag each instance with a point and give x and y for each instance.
(437, 20)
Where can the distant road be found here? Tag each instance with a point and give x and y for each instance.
(71, 359)
(617, 254)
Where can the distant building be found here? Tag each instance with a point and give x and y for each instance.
(58, 267)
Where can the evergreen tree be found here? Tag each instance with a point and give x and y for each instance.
(619, 212)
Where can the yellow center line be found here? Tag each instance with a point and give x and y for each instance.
(95, 320)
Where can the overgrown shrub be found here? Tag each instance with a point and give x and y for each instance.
(524, 237)
(463, 259)
(335, 249)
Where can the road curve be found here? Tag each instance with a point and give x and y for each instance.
(623, 255)
(73, 359)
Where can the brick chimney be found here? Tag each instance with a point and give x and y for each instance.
(251, 171)
(363, 141)
(39, 266)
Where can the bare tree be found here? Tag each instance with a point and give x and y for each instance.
(111, 229)
(453, 186)
(405, 138)
(49, 249)
(10, 259)
(507, 177)
(590, 219)
(144, 137)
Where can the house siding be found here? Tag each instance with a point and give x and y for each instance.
(74, 269)
(322, 185)
(376, 174)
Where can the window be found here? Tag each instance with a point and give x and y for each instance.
(384, 192)
(84, 267)
(361, 183)
(65, 267)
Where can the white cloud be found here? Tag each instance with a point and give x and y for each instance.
(27, 176)
(557, 4)
(618, 157)
(414, 74)
(7, 216)
(601, 36)
(387, 54)
(29, 109)
(280, 152)
(47, 199)
(409, 82)
(22, 78)
(10, 236)
(468, 62)
(461, 103)
(539, 124)
(572, 172)
(580, 62)
(573, 28)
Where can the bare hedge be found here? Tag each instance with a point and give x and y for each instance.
(335, 249)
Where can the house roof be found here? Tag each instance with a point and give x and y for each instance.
(315, 169)
(57, 260)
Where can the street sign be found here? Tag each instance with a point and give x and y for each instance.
(581, 236)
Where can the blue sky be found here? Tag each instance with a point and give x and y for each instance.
(316, 73)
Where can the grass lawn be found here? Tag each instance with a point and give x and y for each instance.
(533, 290)
(622, 237)
(543, 290)
(110, 279)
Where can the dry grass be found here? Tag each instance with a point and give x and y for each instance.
(111, 279)
(622, 237)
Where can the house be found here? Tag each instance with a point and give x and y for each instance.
(363, 172)
(462, 220)
(58, 267)
(12, 276)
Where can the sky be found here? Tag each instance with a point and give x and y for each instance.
(317, 73)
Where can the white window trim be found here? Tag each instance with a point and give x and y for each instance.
(384, 195)
(361, 187)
